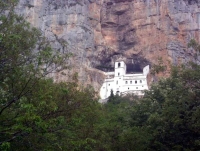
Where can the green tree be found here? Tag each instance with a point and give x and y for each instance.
(35, 112)
(195, 45)
(25, 57)
(114, 124)
(170, 111)
(166, 118)
(159, 67)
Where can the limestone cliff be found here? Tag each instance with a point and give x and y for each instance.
(72, 23)
(99, 31)
(151, 28)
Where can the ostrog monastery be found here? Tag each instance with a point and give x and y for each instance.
(121, 83)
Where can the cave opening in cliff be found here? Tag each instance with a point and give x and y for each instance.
(133, 68)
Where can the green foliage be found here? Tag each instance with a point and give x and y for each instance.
(50, 116)
(166, 118)
(193, 44)
(159, 67)
(38, 114)
(35, 112)
(173, 112)
(5, 146)
(25, 57)
(7, 5)
(115, 126)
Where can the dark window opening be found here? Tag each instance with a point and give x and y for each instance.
(119, 64)
(136, 87)
(135, 82)
(118, 74)
(133, 68)
(128, 88)
(126, 82)
(140, 81)
(130, 82)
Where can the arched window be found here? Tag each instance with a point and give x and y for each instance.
(135, 82)
(119, 64)
(126, 82)
(130, 82)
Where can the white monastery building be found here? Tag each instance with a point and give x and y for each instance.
(121, 83)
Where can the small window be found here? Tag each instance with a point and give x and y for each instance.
(108, 84)
(116, 82)
(118, 74)
(140, 81)
(136, 87)
(104, 87)
(135, 82)
(142, 86)
(126, 82)
(128, 88)
(130, 82)
(119, 64)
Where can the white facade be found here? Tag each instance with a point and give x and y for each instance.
(122, 83)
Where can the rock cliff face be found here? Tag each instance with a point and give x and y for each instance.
(72, 23)
(151, 28)
(99, 31)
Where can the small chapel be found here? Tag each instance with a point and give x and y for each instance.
(122, 83)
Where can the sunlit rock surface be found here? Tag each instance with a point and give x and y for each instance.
(98, 32)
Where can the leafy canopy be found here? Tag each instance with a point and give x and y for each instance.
(35, 112)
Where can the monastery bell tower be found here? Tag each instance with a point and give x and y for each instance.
(120, 68)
